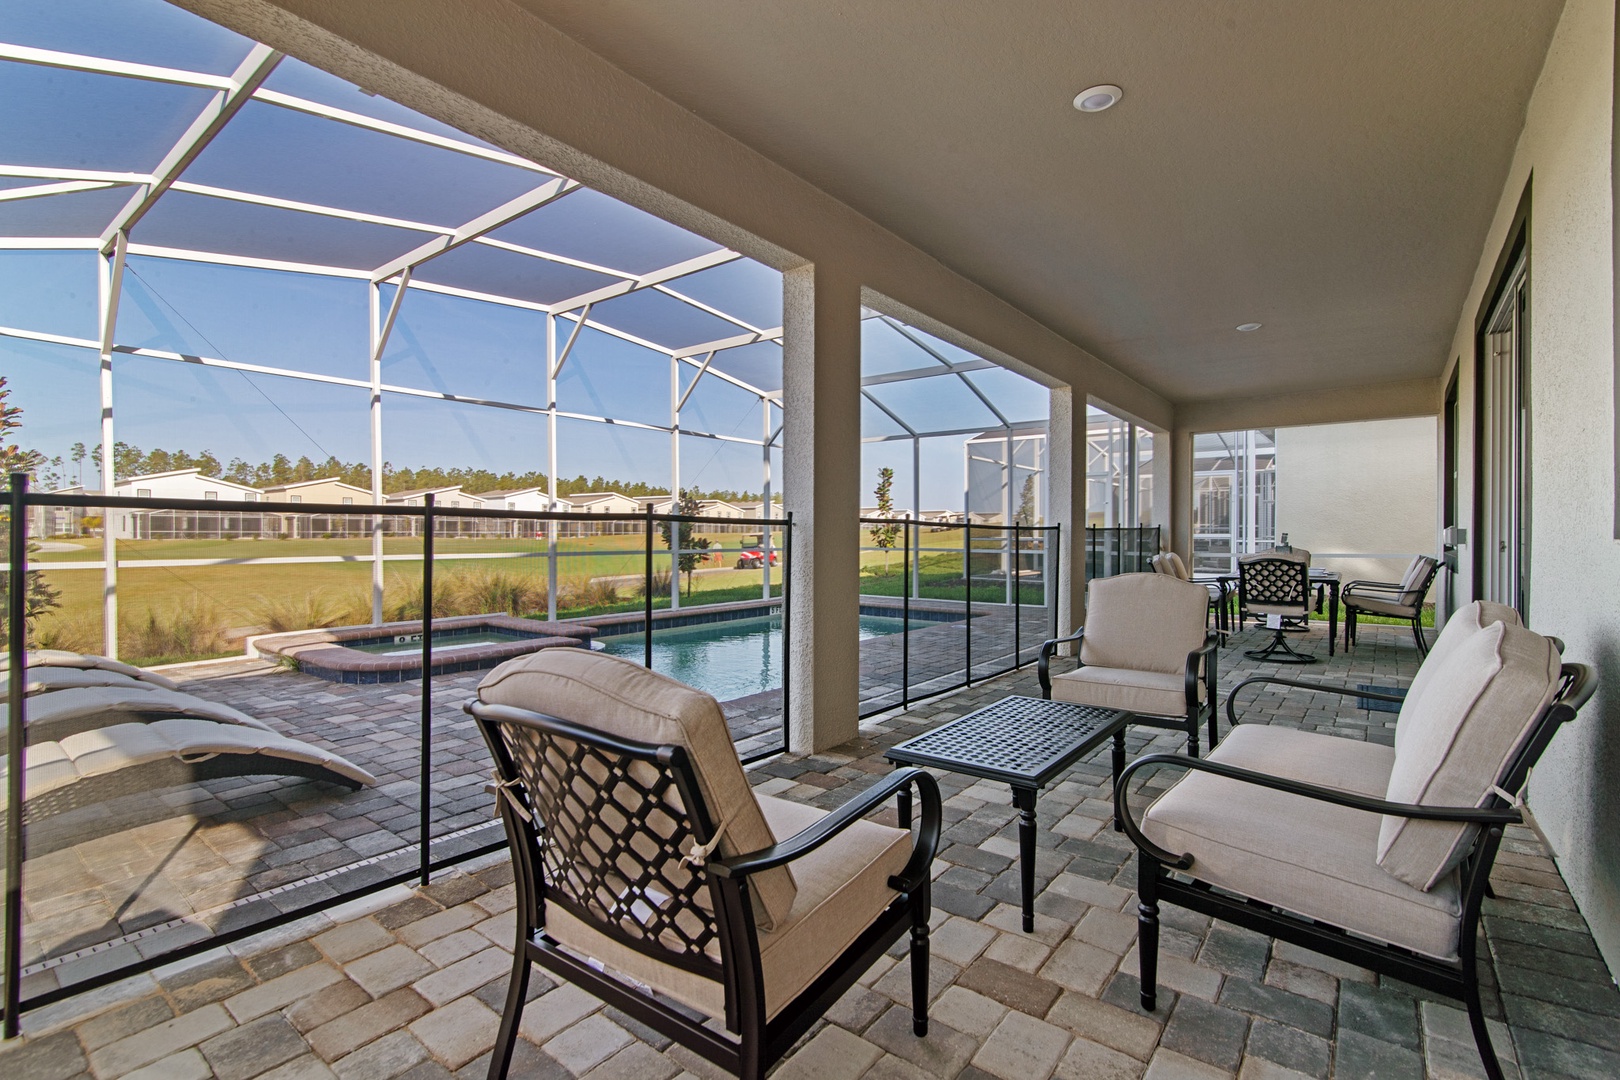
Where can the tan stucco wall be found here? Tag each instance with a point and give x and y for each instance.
(1574, 560)
(1366, 487)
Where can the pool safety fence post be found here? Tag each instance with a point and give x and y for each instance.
(16, 710)
(427, 680)
(905, 617)
(647, 589)
(1016, 581)
(1053, 564)
(967, 605)
(787, 619)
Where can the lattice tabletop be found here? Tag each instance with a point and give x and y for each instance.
(1020, 740)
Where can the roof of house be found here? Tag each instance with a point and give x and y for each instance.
(317, 480)
(183, 472)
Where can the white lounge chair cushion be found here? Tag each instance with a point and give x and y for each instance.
(844, 887)
(1476, 709)
(1152, 693)
(44, 680)
(1464, 624)
(110, 701)
(1170, 564)
(1143, 622)
(63, 658)
(617, 697)
(1376, 606)
(1308, 857)
(52, 765)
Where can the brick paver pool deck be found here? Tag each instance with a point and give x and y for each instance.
(409, 982)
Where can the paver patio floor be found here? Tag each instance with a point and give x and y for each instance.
(409, 982)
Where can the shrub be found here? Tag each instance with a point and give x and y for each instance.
(184, 631)
(282, 614)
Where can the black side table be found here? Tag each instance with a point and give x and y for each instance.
(1024, 742)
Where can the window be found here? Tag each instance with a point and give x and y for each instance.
(348, 501)
(143, 493)
(295, 498)
(250, 496)
(213, 495)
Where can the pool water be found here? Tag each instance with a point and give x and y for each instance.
(403, 644)
(729, 659)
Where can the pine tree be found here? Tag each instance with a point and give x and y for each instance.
(884, 536)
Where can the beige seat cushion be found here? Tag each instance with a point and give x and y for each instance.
(1150, 692)
(1381, 607)
(1143, 622)
(1474, 711)
(844, 887)
(1308, 857)
(615, 696)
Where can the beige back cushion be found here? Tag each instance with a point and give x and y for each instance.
(1483, 700)
(1170, 563)
(621, 698)
(1144, 622)
(1464, 624)
(1415, 580)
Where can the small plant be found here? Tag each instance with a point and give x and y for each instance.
(80, 634)
(479, 592)
(884, 536)
(659, 585)
(692, 546)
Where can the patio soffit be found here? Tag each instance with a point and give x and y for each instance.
(1328, 171)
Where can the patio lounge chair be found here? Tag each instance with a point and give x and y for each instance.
(1401, 599)
(40, 658)
(57, 715)
(1144, 648)
(1376, 856)
(45, 680)
(662, 877)
(92, 767)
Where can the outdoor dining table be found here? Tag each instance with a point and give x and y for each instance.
(1319, 579)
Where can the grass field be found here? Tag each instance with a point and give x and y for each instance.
(170, 613)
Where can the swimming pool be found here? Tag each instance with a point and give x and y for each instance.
(730, 659)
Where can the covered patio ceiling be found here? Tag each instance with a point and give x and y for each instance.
(1328, 171)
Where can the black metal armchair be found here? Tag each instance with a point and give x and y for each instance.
(1276, 586)
(1340, 846)
(638, 880)
(1144, 649)
(1401, 599)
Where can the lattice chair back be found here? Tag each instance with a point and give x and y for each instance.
(1275, 584)
(612, 826)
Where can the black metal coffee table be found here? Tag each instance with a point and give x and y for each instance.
(1024, 742)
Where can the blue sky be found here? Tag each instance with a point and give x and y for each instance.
(66, 119)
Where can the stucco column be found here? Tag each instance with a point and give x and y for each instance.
(821, 462)
(1181, 493)
(1066, 485)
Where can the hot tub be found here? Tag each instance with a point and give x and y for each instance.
(392, 652)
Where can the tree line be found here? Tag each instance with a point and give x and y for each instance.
(131, 460)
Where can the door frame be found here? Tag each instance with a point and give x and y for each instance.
(1517, 246)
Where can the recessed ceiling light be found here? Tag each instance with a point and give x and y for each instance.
(1098, 98)
(1248, 327)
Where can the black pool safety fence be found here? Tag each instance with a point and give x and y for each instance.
(1111, 550)
(974, 601)
(132, 840)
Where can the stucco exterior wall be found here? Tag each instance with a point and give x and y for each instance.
(1367, 487)
(1574, 562)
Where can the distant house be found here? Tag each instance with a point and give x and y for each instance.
(607, 502)
(327, 489)
(535, 499)
(760, 510)
(446, 500)
(184, 484)
(58, 520)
